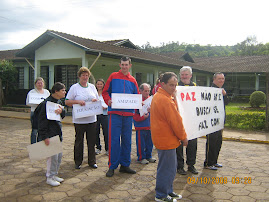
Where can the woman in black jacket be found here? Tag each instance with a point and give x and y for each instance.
(50, 128)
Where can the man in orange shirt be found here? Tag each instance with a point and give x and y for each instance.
(167, 134)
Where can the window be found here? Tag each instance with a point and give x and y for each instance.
(138, 77)
(20, 79)
(67, 74)
(150, 79)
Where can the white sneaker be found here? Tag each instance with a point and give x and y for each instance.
(107, 153)
(58, 179)
(97, 151)
(144, 161)
(52, 182)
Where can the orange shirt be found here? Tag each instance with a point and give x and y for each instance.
(166, 123)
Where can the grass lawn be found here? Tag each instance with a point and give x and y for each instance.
(239, 108)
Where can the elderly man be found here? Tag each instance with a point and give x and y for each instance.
(144, 143)
(214, 140)
(167, 134)
(191, 150)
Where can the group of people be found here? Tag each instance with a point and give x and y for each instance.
(160, 126)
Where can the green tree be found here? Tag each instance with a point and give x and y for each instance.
(8, 74)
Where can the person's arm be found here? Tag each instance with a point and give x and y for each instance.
(27, 100)
(107, 90)
(43, 122)
(138, 118)
(70, 98)
(175, 121)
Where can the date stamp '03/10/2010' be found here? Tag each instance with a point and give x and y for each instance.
(219, 180)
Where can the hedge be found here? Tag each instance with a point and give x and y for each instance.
(246, 120)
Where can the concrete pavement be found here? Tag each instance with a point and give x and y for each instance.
(228, 134)
(244, 177)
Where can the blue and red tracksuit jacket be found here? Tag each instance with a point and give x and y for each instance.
(141, 123)
(120, 83)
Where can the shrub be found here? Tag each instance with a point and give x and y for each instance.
(257, 98)
(248, 120)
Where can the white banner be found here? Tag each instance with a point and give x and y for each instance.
(145, 107)
(50, 110)
(39, 150)
(201, 108)
(89, 109)
(35, 98)
(126, 101)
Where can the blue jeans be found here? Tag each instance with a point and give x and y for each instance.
(166, 172)
(33, 137)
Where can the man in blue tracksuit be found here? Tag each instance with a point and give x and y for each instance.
(120, 120)
(144, 143)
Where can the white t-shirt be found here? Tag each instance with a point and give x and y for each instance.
(78, 92)
(100, 97)
(45, 94)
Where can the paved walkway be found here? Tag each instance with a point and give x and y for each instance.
(228, 134)
(244, 177)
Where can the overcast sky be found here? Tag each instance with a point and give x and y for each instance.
(215, 22)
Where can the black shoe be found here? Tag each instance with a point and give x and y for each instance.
(181, 171)
(94, 166)
(77, 166)
(124, 169)
(192, 169)
(110, 173)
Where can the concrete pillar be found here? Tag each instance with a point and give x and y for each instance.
(208, 80)
(51, 76)
(193, 78)
(257, 81)
(26, 76)
(37, 68)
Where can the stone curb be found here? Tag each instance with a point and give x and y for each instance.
(224, 138)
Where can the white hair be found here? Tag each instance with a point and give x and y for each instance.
(185, 68)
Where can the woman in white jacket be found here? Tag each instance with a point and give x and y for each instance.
(37, 92)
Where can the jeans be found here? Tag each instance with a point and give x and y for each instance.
(102, 120)
(166, 172)
(34, 136)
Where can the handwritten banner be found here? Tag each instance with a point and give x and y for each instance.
(201, 108)
(50, 110)
(89, 109)
(145, 107)
(35, 98)
(126, 101)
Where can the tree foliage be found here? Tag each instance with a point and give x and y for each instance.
(8, 76)
(249, 46)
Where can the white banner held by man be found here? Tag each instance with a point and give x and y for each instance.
(126, 101)
(201, 108)
(145, 107)
(35, 98)
(50, 110)
(39, 150)
(89, 109)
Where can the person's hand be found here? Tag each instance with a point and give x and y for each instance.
(109, 103)
(94, 100)
(185, 142)
(81, 102)
(59, 110)
(223, 92)
(146, 115)
(47, 141)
